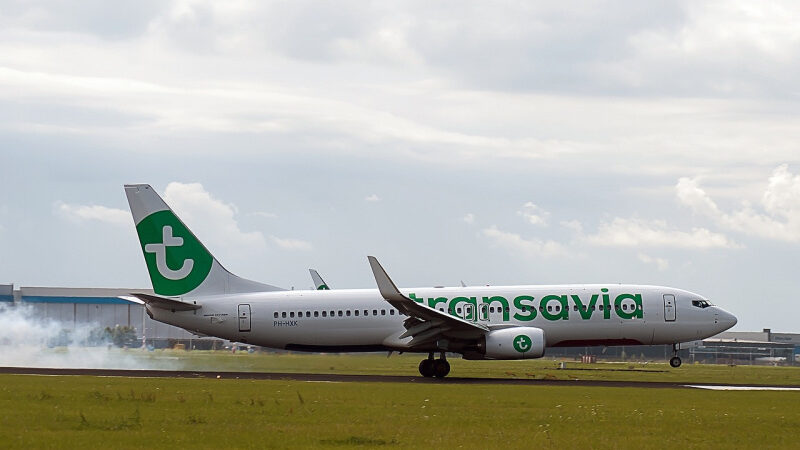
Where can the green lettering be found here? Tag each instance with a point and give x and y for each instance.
(531, 308)
(503, 302)
(585, 310)
(606, 304)
(637, 311)
(413, 296)
(562, 313)
(471, 300)
(432, 302)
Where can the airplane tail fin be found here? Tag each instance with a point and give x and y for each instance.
(178, 263)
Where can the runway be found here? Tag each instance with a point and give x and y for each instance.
(340, 378)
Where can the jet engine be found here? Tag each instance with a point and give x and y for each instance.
(513, 343)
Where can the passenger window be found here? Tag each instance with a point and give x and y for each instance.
(348, 313)
(340, 313)
(355, 312)
(276, 314)
(316, 313)
(291, 314)
(374, 312)
(491, 309)
(549, 308)
(575, 308)
(283, 314)
(366, 312)
(383, 312)
(324, 313)
(391, 312)
(308, 313)
(458, 310)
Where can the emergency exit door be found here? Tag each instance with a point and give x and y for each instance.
(244, 317)
(669, 307)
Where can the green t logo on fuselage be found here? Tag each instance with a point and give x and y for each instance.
(176, 260)
(522, 343)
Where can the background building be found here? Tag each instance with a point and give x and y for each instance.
(98, 308)
(749, 347)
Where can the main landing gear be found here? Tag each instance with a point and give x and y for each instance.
(675, 361)
(431, 367)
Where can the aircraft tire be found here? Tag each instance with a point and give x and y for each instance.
(426, 367)
(441, 368)
(675, 362)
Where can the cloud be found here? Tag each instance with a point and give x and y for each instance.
(534, 214)
(634, 232)
(210, 219)
(661, 263)
(263, 214)
(780, 202)
(291, 244)
(469, 218)
(372, 198)
(84, 213)
(573, 225)
(532, 248)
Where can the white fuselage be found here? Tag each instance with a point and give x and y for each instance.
(361, 320)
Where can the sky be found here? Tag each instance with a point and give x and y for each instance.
(490, 142)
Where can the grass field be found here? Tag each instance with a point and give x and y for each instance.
(92, 412)
(407, 365)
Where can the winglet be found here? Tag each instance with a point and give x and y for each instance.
(319, 283)
(385, 284)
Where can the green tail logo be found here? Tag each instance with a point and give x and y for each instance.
(323, 287)
(176, 260)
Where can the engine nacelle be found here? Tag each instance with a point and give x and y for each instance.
(514, 343)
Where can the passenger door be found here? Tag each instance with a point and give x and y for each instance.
(244, 317)
(669, 307)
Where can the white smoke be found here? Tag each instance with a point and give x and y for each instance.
(28, 341)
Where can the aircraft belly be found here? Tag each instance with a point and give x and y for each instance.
(597, 331)
(318, 333)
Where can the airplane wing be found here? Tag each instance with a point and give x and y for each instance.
(161, 302)
(424, 324)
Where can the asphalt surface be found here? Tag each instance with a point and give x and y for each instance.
(338, 378)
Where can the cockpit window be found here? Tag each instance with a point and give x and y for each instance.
(701, 303)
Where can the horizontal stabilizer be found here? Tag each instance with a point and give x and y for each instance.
(157, 301)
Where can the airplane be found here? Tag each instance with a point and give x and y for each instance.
(192, 290)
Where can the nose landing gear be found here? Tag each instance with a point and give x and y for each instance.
(675, 361)
(431, 367)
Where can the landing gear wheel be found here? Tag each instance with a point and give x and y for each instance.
(441, 368)
(675, 361)
(426, 367)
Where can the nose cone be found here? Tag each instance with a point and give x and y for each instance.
(726, 320)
